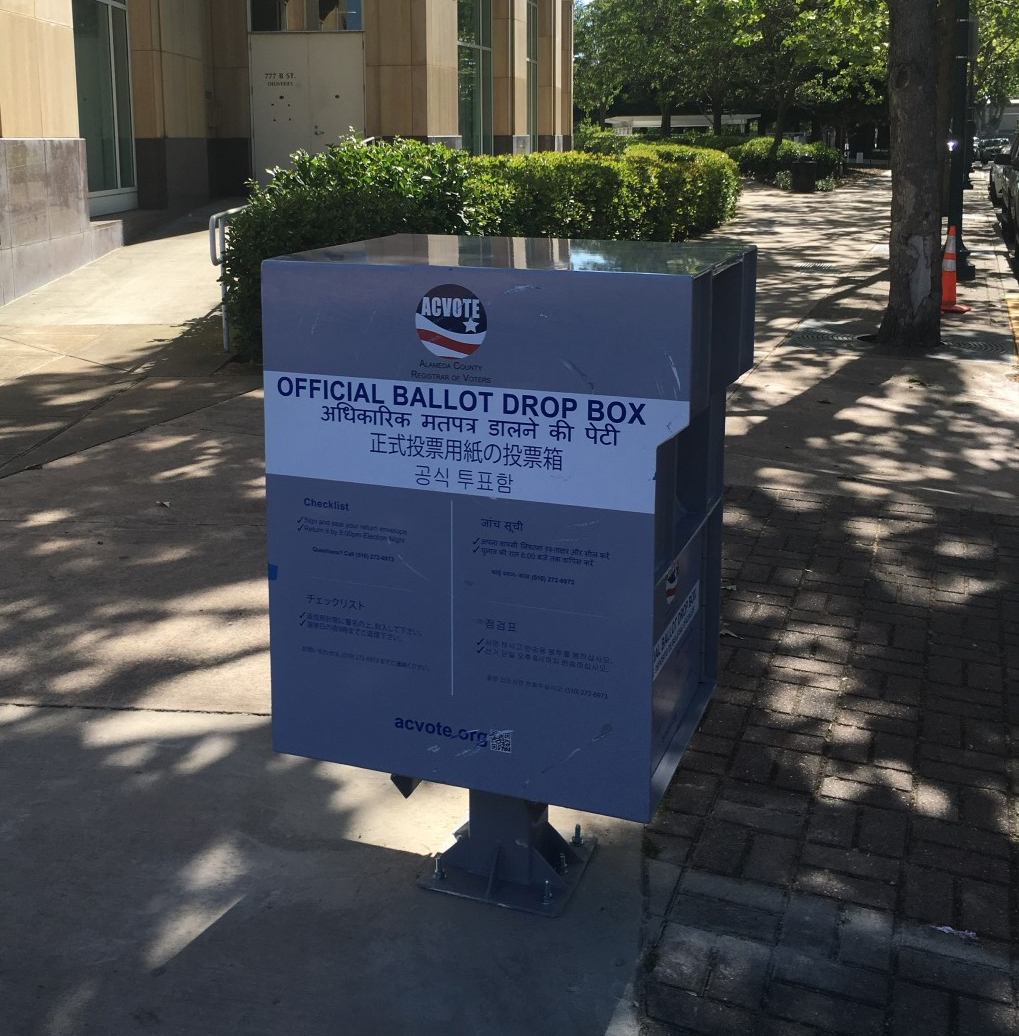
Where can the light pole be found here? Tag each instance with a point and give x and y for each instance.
(963, 46)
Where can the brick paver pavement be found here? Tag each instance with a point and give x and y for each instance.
(851, 790)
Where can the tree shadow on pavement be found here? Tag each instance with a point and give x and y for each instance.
(136, 570)
(836, 851)
(837, 847)
(163, 869)
(82, 386)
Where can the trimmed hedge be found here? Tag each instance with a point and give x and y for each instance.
(702, 140)
(649, 194)
(709, 185)
(753, 158)
(353, 191)
(348, 192)
(594, 141)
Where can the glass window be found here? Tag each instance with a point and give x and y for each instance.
(268, 15)
(474, 53)
(102, 74)
(122, 87)
(532, 72)
(305, 15)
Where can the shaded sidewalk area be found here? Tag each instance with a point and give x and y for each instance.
(850, 794)
(838, 851)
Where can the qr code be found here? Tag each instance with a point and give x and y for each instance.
(500, 740)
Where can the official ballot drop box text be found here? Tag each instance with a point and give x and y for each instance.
(494, 481)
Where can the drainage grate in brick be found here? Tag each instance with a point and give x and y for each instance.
(828, 267)
(821, 336)
(952, 346)
(997, 347)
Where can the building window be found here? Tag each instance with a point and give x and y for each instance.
(532, 72)
(474, 52)
(305, 15)
(103, 76)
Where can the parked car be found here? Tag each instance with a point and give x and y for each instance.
(1001, 167)
(1004, 189)
(988, 147)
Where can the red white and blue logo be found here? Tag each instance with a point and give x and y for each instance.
(671, 584)
(451, 321)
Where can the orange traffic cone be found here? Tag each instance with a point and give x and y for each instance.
(948, 302)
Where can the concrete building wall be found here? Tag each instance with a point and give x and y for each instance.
(172, 79)
(411, 69)
(509, 77)
(38, 40)
(44, 225)
(229, 111)
(555, 75)
(565, 73)
(191, 107)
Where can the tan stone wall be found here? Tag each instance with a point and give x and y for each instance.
(146, 68)
(36, 44)
(566, 70)
(171, 60)
(189, 68)
(231, 97)
(410, 67)
(548, 68)
(555, 72)
(509, 67)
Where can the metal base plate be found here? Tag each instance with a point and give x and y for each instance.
(547, 896)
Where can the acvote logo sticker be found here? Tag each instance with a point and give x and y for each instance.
(451, 321)
(671, 583)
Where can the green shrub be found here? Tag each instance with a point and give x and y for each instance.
(784, 181)
(829, 161)
(587, 137)
(351, 192)
(706, 191)
(562, 194)
(347, 193)
(660, 192)
(487, 198)
(754, 157)
(703, 140)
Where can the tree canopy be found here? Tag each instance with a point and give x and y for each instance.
(836, 61)
(996, 70)
(714, 54)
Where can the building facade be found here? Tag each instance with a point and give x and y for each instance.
(112, 105)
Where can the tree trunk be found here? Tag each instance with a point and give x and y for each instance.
(665, 107)
(717, 108)
(913, 315)
(776, 137)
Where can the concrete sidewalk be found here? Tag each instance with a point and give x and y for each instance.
(853, 783)
(129, 341)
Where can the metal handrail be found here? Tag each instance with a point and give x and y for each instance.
(217, 246)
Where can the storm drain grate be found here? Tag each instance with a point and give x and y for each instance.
(819, 336)
(951, 345)
(827, 267)
(999, 347)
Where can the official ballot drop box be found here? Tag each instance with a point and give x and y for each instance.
(494, 481)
